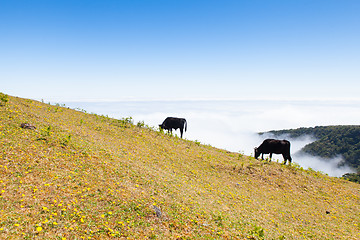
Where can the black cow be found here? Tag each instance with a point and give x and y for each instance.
(274, 146)
(171, 123)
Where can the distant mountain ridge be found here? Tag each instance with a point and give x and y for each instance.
(331, 141)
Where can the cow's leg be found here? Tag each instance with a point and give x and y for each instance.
(181, 132)
(285, 159)
(262, 156)
(289, 158)
(270, 156)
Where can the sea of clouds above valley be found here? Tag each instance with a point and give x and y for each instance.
(233, 125)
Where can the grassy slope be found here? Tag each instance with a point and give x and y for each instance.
(103, 181)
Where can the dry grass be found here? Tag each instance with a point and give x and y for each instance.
(84, 176)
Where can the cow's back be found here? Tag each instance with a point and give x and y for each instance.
(286, 145)
(274, 146)
(173, 122)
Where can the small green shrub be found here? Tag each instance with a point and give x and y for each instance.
(140, 124)
(66, 140)
(219, 221)
(126, 122)
(256, 233)
(4, 99)
(161, 130)
(45, 133)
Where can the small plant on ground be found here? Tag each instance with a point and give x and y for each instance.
(141, 124)
(126, 122)
(66, 140)
(45, 133)
(4, 99)
(256, 233)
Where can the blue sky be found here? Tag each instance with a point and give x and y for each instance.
(180, 49)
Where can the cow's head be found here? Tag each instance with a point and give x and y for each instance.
(257, 153)
(163, 126)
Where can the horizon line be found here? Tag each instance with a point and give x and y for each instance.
(64, 100)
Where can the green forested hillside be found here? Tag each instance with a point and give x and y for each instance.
(330, 141)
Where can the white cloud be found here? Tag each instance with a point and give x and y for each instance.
(329, 166)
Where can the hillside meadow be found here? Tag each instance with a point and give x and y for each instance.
(86, 176)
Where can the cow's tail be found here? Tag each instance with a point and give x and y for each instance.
(185, 123)
(289, 156)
